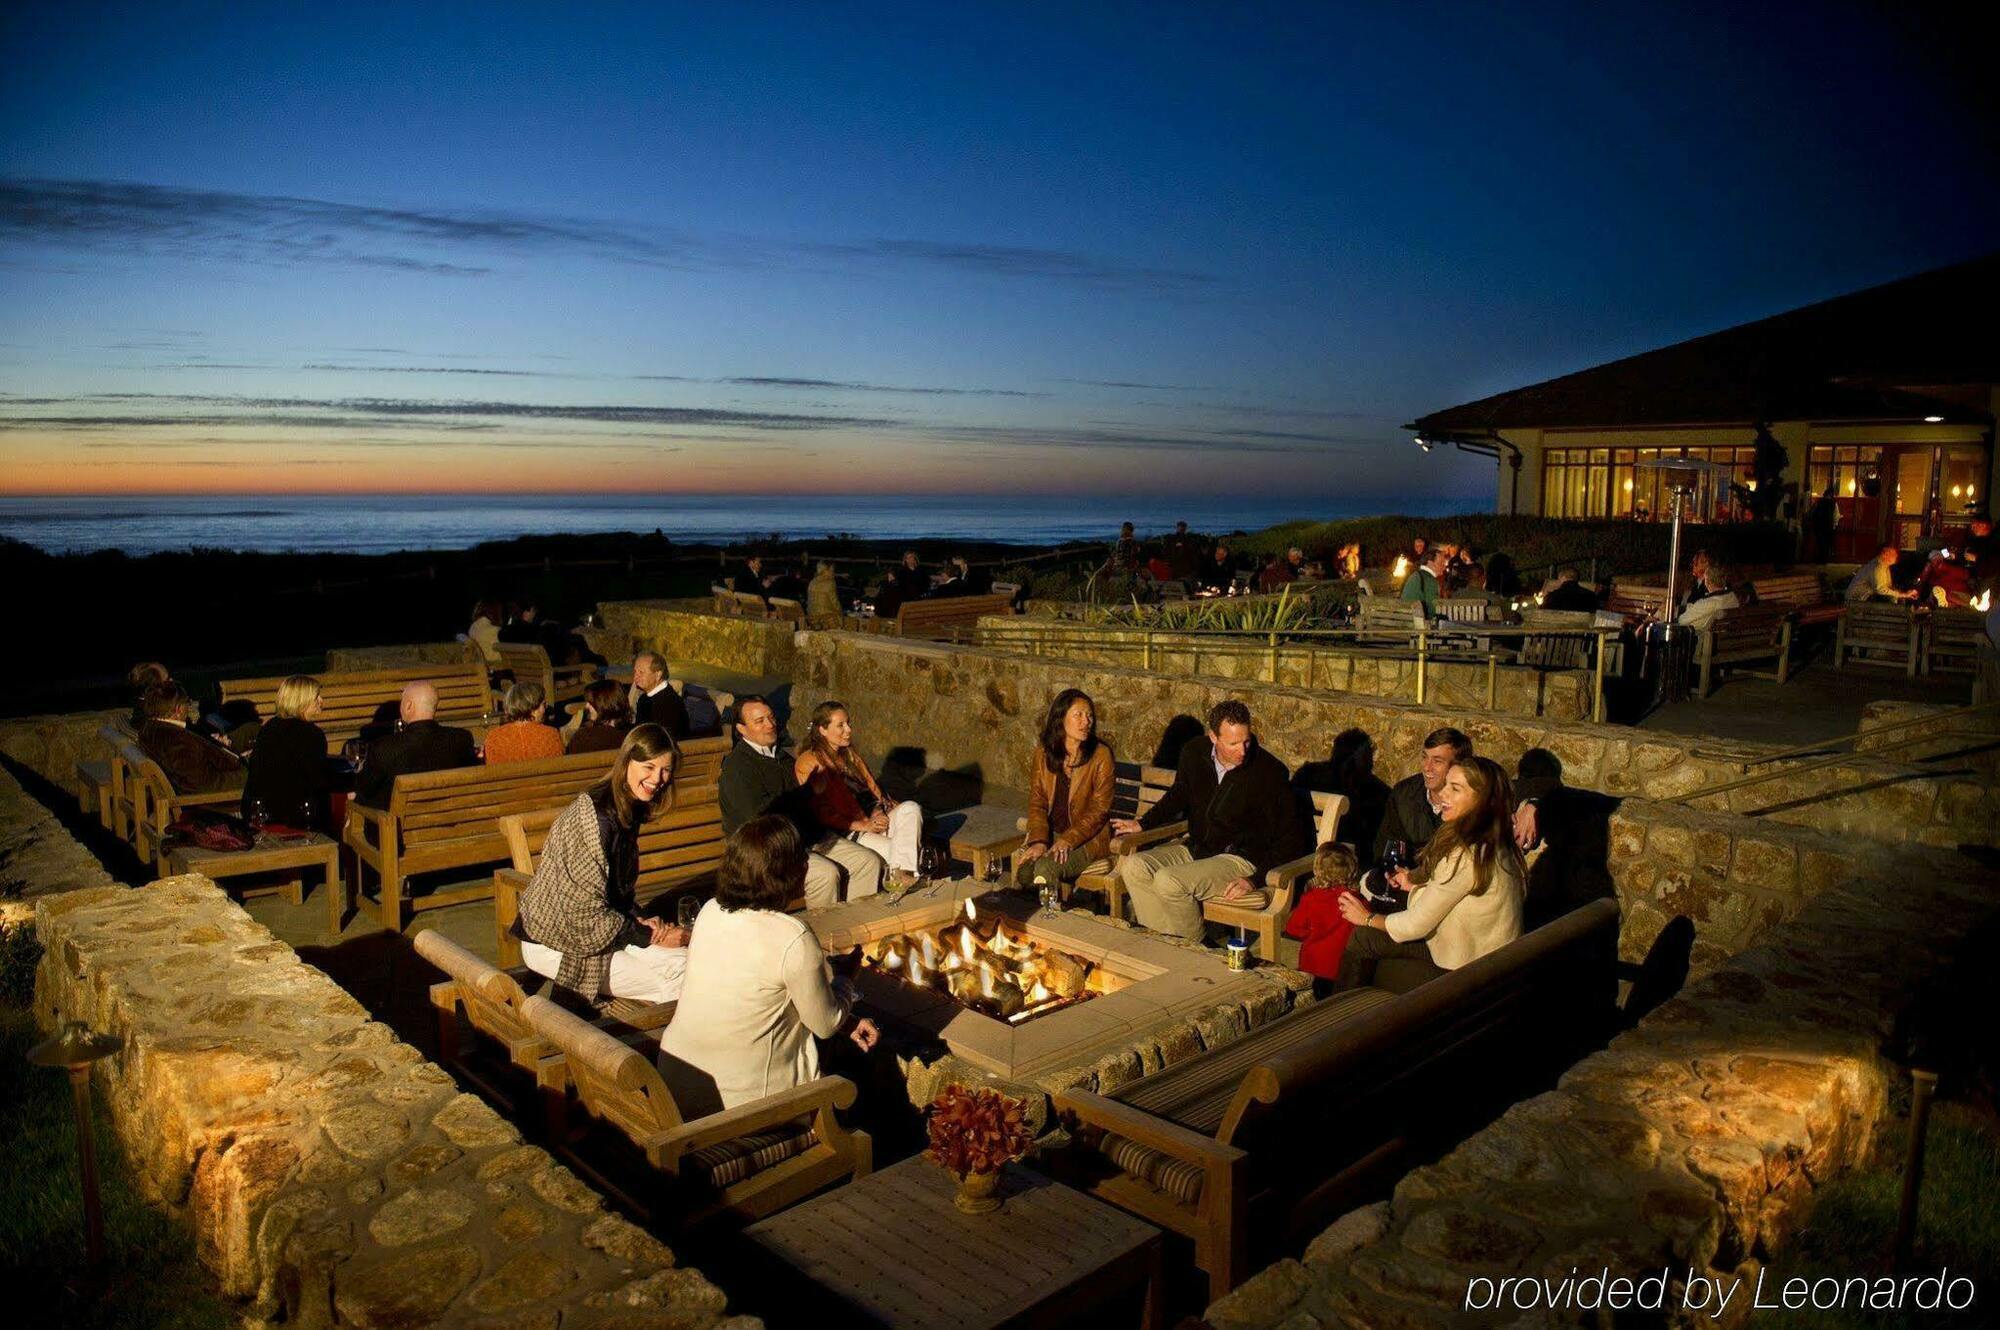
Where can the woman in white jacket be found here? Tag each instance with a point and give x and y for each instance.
(758, 990)
(1465, 892)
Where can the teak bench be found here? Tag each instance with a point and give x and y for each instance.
(145, 803)
(1891, 632)
(1635, 602)
(1802, 594)
(440, 820)
(678, 852)
(529, 662)
(942, 618)
(1747, 633)
(349, 701)
(1282, 1126)
(1388, 621)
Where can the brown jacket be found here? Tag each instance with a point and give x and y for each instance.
(1090, 788)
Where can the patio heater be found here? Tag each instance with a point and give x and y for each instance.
(1668, 646)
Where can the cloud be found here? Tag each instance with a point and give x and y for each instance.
(128, 216)
(775, 381)
(1124, 383)
(429, 369)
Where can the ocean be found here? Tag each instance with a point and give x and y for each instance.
(376, 524)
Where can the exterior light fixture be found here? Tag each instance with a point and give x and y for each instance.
(1426, 444)
(74, 1050)
(1934, 420)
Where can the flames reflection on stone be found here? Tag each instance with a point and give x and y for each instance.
(990, 966)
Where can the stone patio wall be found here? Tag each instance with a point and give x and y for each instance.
(51, 746)
(357, 660)
(691, 630)
(1694, 1142)
(1518, 691)
(38, 856)
(977, 711)
(329, 1173)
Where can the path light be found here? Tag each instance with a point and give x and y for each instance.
(75, 1049)
(1934, 420)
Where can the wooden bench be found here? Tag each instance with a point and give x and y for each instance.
(942, 618)
(349, 701)
(1283, 1127)
(1951, 641)
(493, 1002)
(146, 802)
(1265, 912)
(1466, 609)
(442, 820)
(1802, 594)
(1388, 621)
(1747, 633)
(790, 611)
(1889, 631)
(98, 779)
(1565, 652)
(748, 1161)
(1136, 788)
(529, 662)
(1635, 602)
(678, 852)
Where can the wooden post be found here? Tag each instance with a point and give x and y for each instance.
(1274, 655)
(1148, 655)
(1597, 675)
(1492, 680)
(1423, 653)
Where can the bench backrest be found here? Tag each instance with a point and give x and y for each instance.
(1551, 978)
(528, 663)
(1557, 653)
(680, 845)
(1885, 620)
(1386, 618)
(1957, 630)
(1137, 786)
(1747, 628)
(349, 701)
(1635, 600)
(785, 608)
(920, 618)
(613, 1081)
(1792, 589)
(1466, 609)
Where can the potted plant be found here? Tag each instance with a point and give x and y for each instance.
(973, 1133)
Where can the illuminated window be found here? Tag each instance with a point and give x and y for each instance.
(1609, 482)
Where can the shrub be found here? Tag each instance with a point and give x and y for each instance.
(20, 953)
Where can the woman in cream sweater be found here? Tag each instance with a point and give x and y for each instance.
(1465, 892)
(758, 989)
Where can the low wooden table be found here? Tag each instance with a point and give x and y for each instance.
(272, 855)
(982, 834)
(893, 1251)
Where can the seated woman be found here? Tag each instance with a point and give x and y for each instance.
(758, 988)
(193, 763)
(606, 715)
(287, 781)
(524, 738)
(484, 631)
(847, 800)
(579, 923)
(140, 678)
(1466, 892)
(1069, 795)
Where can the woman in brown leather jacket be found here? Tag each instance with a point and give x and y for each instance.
(1069, 795)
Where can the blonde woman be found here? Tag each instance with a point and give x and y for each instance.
(847, 800)
(287, 781)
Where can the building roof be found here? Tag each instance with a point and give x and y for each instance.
(1903, 351)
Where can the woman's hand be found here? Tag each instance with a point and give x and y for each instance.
(670, 935)
(1059, 852)
(878, 823)
(864, 1034)
(1124, 826)
(1029, 853)
(1400, 880)
(1353, 911)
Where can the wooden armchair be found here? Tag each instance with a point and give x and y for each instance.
(1951, 643)
(1891, 633)
(1137, 789)
(1264, 912)
(750, 1161)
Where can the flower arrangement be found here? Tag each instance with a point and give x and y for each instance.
(976, 1131)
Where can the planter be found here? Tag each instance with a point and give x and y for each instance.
(978, 1193)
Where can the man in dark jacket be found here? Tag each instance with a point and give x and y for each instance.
(421, 745)
(654, 701)
(1569, 593)
(1242, 822)
(1415, 809)
(193, 763)
(757, 779)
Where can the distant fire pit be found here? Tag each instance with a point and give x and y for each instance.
(1020, 993)
(990, 965)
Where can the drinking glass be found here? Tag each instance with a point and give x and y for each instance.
(259, 816)
(685, 910)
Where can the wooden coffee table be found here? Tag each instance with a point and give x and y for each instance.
(273, 855)
(895, 1252)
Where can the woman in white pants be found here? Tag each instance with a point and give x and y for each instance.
(847, 800)
(579, 924)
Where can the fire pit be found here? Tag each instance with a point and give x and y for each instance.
(990, 965)
(1032, 993)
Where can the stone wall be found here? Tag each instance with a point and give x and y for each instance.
(692, 630)
(51, 746)
(329, 1173)
(358, 660)
(978, 711)
(38, 856)
(1693, 1142)
(1517, 690)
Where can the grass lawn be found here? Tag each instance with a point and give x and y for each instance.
(1854, 1224)
(150, 1277)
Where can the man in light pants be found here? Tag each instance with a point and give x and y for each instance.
(1242, 821)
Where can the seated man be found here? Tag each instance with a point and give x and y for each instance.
(1219, 574)
(1416, 803)
(1569, 593)
(749, 579)
(1700, 611)
(194, 763)
(654, 702)
(1876, 579)
(1426, 581)
(420, 745)
(1242, 822)
(757, 778)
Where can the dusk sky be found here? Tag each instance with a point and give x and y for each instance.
(1104, 249)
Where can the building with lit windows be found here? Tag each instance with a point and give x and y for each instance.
(1886, 397)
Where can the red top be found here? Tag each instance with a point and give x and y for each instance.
(522, 741)
(834, 800)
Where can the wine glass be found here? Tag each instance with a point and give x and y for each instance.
(685, 910)
(260, 816)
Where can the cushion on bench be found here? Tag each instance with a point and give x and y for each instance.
(1176, 1177)
(732, 1161)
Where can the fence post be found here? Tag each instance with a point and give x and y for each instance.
(1148, 653)
(1274, 655)
(1597, 676)
(1423, 653)
(1492, 680)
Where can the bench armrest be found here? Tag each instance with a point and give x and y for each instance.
(665, 1149)
(1135, 1124)
(1139, 840)
(508, 884)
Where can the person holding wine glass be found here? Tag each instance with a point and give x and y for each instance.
(287, 781)
(1415, 809)
(1466, 890)
(579, 923)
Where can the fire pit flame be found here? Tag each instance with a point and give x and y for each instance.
(1004, 973)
